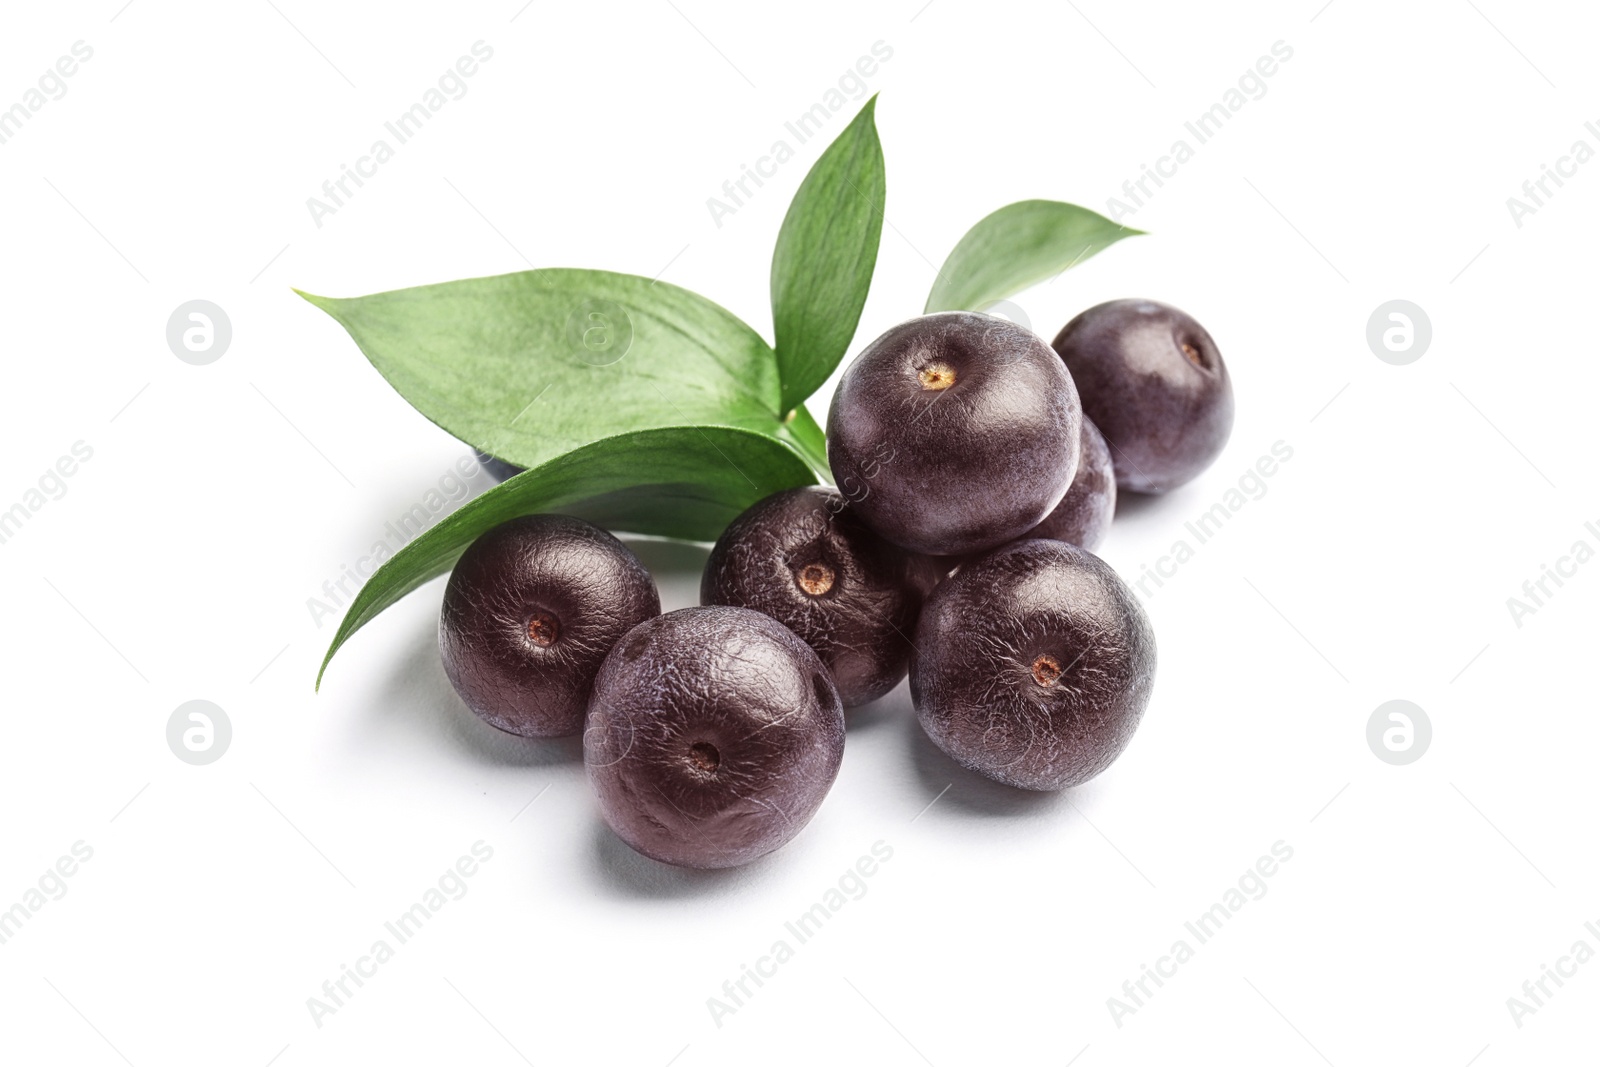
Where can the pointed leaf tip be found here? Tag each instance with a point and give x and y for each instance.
(823, 261)
(1017, 246)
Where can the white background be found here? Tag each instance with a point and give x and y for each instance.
(219, 498)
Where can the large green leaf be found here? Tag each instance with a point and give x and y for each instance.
(681, 481)
(1017, 246)
(801, 432)
(822, 264)
(528, 366)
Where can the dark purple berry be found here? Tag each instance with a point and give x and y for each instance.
(953, 433)
(805, 559)
(713, 736)
(928, 571)
(1153, 381)
(530, 611)
(1033, 665)
(1084, 514)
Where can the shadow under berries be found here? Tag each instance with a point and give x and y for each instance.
(418, 698)
(613, 864)
(970, 792)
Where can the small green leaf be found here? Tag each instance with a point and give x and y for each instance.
(679, 481)
(531, 365)
(822, 264)
(1017, 246)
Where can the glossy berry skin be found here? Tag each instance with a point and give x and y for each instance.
(530, 612)
(802, 557)
(1084, 514)
(1154, 383)
(1033, 665)
(953, 433)
(713, 736)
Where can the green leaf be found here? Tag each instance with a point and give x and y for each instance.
(822, 264)
(531, 365)
(802, 431)
(680, 481)
(1017, 246)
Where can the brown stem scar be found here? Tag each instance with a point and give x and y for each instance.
(705, 758)
(937, 376)
(543, 629)
(815, 578)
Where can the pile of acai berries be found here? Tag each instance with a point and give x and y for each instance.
(976, 467)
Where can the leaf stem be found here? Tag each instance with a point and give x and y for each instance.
(801, 430)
